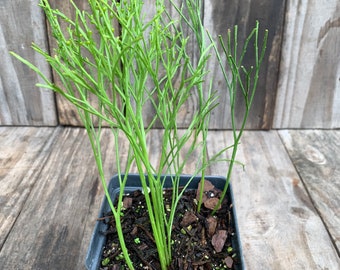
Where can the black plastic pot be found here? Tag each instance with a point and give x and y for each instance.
(93, 257)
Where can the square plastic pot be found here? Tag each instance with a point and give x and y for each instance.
(93, 257)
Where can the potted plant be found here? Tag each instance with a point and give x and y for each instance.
(113, 75)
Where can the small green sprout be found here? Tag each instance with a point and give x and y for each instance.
(137, 240)
(105, 262)
(120, 256)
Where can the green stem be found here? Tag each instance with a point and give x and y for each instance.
(113, 76)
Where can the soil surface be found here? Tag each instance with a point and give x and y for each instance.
(200, 241)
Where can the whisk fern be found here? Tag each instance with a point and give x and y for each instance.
(112, 75)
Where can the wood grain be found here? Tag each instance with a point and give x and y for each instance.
(59, 214)
(221, 15)
(315, 156)
(21, 102)
(23, 152)
(308, 91)
(56, 194)
(279, 225)
(309, 85)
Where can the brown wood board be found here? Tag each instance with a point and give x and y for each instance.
(315, 154)
(54, 226)
(308, 89)
(309, 84)
(23, 152)
(21, 102)
(279, 225)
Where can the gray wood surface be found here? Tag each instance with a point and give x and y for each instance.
(280, 227)
(298, 88)
(54, 193)
(309, 85)
(21, 102)
(23, 152)
(315, 155)
(53, 227)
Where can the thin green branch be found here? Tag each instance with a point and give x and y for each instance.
(113, 76)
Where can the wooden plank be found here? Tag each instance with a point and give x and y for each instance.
(280, 228)
(219, 15)
(21, 102)
(23, 152)
(60, 212)
(309, 85)
(279, 225)
(315, 156)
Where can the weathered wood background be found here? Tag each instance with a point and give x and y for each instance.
(309, 85)
(300, 79)
(21, 103)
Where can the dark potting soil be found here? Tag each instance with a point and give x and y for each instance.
(199, 240)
